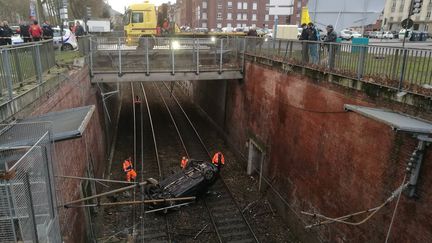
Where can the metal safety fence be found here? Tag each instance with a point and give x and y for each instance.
(27, 195)
(403, 69)
(151, 55)
(23, 64)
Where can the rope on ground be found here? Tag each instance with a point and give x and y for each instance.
(105, 239)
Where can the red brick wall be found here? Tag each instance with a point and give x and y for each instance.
(323, 159)
(71, 157)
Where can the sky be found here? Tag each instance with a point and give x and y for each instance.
(119, 5)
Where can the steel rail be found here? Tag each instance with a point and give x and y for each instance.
(156, 153)
(135, 153)
(153, 132)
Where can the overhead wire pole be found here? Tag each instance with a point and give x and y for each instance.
(135, 152)
(142, 171)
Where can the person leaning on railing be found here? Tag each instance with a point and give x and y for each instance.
(331, 38)
(304, 37)
(2, 35)
(35, 31)
(24, 31)
(312, 36)
(8, 33)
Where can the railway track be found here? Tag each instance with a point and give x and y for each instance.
(226, 217)
(152, 227)
(163, 133)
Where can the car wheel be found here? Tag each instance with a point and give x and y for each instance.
(208, 175)
(66, 47)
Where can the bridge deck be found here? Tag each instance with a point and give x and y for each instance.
(166, 60)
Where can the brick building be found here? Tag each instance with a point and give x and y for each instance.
(232, 13)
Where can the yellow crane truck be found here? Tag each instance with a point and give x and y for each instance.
(145, 20)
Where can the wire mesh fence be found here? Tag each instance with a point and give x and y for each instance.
(27, 195)
(24, 64)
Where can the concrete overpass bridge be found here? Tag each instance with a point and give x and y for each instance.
(165, 59)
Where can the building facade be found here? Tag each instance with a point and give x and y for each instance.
(213, 14)
(397, 10)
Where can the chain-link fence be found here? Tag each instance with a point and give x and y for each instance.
(27, 195)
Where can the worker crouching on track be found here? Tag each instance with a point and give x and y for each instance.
(128, 169)
(184, 162)
(218, 160)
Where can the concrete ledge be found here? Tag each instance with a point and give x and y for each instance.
(179, 76)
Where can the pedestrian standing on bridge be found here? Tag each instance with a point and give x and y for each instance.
(165, 27)
(35, 31)
(218, 160)
(129, 170)
(8, 33)
(313, 36)
(25, 31)
(2, 34)
(48, 32)
(304, 37)
(330, 39)
(79, 30)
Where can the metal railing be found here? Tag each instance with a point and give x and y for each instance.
(152, 55)
(84, 44)
(403, 69)
(27, 195)
(25, 63)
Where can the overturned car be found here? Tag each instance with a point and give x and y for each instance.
(192, 181)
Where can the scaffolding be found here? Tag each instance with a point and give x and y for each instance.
(27, 194)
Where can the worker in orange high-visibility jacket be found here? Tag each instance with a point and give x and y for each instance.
(218, 159)
(128, 169)
(137, 100)
(183, 162)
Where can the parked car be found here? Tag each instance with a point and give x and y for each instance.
(69, 40)
(380, 35)
(388, 35)
(16, 39)
(373, 34)
(367, 34)
(203, 30)
(395, 34)
(348, 34)
(227, 29)
(402, 33)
